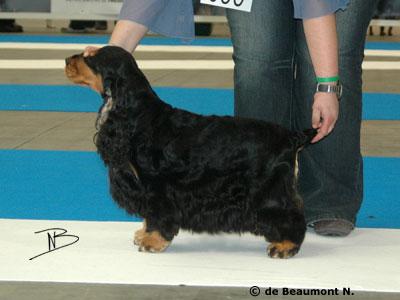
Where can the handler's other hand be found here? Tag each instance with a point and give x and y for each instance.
(325, 112)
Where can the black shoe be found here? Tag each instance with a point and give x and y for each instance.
(10, 26)
(79, 27)
(203, 29)
(71, 30)
(100, 25)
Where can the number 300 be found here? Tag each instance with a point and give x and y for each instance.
(236, 2)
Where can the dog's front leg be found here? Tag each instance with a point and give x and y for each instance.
(150, 239)
(139, 234)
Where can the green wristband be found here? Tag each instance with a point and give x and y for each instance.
(328, 79)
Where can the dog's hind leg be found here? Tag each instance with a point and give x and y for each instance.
(284, 229)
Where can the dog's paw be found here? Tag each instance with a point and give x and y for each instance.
(150, 242)
(284, 249)
(139, 235)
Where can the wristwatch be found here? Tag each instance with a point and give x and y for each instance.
(330, 88)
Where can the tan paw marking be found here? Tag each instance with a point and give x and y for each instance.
(284, 249)
(149, 241)
(152, 242)
(139, 234)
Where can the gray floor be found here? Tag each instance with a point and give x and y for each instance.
(52, 291)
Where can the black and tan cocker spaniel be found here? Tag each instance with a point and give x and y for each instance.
(177, 169)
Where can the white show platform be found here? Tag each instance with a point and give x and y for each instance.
(367, 260)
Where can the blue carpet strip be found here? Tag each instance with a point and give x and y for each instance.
(81, 99)
(103, 39)
(202, 101)
(68, 185)
(55, 185)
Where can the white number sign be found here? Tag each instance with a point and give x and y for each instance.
(244, 5)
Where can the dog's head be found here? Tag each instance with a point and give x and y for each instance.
(112, 72)
(109, 67)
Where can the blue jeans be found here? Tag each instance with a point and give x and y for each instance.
(275, 81)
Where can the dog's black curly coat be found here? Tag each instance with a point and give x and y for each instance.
(209, 174)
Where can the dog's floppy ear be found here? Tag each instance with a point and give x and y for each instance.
(113, 86)
(121, 93)
(114, 136)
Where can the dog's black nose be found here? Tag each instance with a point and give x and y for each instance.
(67, 60)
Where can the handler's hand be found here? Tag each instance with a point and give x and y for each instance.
(90, 51)
(325, 112)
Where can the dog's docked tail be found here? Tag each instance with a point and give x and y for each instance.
(303, 138)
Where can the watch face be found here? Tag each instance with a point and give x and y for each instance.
(330, 88)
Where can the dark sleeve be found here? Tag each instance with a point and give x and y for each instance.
(307, 9)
